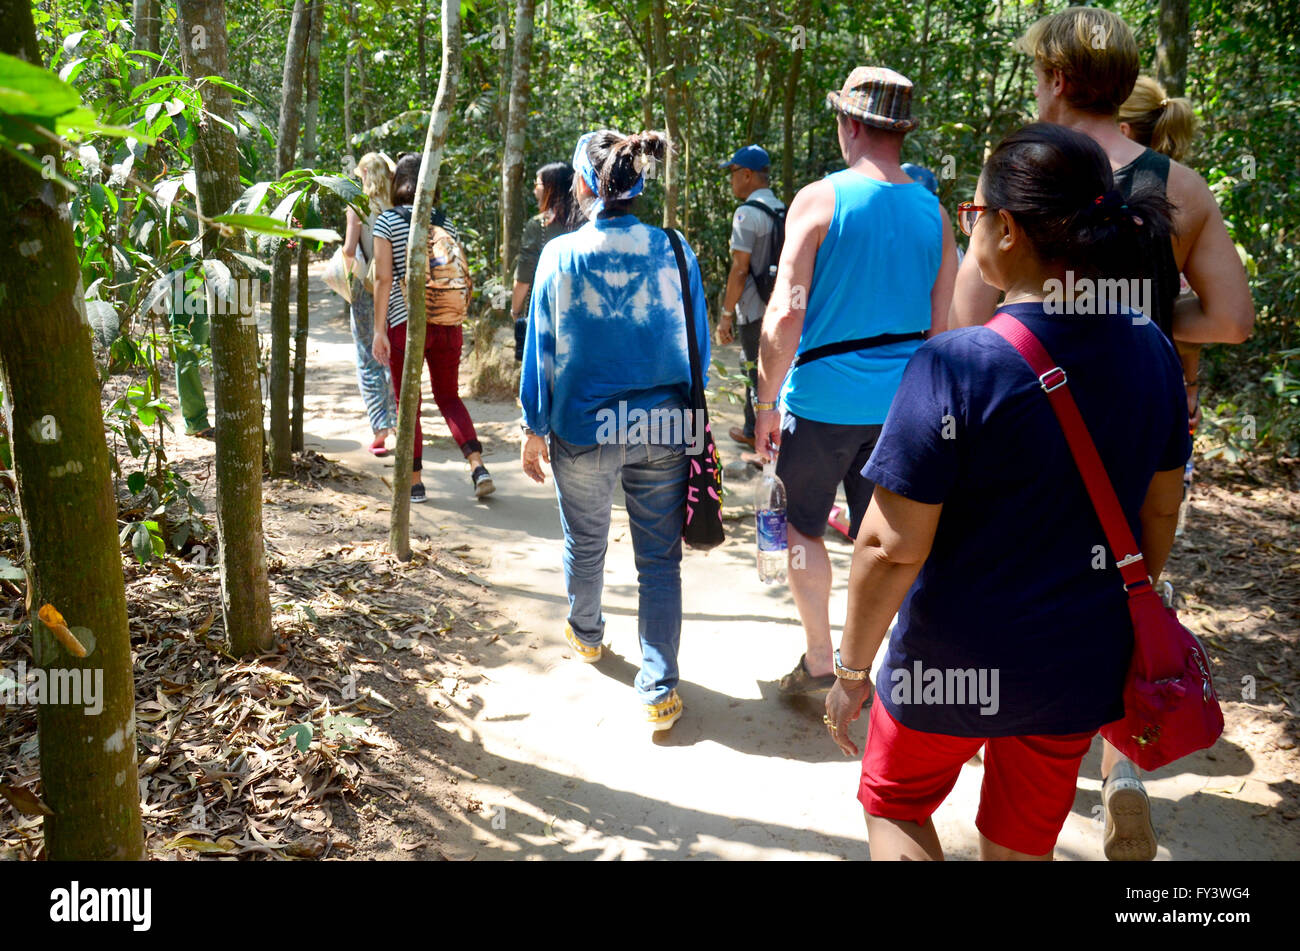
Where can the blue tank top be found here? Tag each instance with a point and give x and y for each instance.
(873, 275)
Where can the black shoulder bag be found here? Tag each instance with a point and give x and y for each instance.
(702, 525)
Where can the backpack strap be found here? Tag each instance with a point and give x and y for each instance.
(1052, 379)
(692, 345)
(778, 221)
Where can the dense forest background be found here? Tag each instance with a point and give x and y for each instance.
(723, 74)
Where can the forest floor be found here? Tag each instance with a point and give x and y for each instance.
(441, 715)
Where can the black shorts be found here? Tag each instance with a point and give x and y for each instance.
(814, 459)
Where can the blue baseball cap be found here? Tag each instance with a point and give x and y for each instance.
(922, 176)
(751, 157)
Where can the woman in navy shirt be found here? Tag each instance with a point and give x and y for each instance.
(1013, 632)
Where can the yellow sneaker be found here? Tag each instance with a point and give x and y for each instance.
(587, 653)
(662, 715)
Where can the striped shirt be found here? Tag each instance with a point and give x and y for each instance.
(392, 226)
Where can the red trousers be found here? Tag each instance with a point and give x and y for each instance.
(442, 346)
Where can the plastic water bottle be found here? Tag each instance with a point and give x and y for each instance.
(769, 514)
(1187, 494)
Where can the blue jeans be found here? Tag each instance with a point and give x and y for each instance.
(373, 378)
(654, 482)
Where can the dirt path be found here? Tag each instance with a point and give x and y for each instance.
(527, 753)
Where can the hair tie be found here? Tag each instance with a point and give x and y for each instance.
(1164, 102)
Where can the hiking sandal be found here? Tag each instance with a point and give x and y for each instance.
(800, 680)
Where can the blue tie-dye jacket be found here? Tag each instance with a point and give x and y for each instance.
(606, 324)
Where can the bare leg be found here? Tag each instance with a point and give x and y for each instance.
(1110, 758)
(811, 585)
(992, 852)
(899, 840)
(475, 460)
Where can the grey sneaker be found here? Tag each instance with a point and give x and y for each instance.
(483, 486)
(1129, 835)
(417, 492)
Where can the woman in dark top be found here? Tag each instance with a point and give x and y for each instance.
(557, 214)
(1013, 633)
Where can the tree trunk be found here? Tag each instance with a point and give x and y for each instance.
(367, 107)
(663, 51)
(311, 83)
(512, 164)
(421, 46)
(67, 507)
(787, 114)
(286, 148)
(147, 21)
(300, 346)
(311, 96)
(347, 82)
(1171, 48)
(245, 599)
(417, 267)
(648, 92)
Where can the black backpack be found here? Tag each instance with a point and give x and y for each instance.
(776, 241)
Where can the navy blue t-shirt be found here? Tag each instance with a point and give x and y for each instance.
(1009, 629)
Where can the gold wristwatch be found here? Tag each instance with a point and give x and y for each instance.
(848, 673)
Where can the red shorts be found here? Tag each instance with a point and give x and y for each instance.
(1028, 789)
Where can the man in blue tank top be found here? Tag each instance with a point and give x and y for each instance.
(866, 272)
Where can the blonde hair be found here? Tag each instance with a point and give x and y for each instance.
(1158, 122)
(1093, 50)
(376, 173)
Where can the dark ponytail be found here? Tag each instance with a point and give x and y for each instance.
(1058, 185)
(614, 156)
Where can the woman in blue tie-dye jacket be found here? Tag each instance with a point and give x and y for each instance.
(606, 393)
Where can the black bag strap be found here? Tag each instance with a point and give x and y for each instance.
(778, 221)
(697, 376)
(849, 346)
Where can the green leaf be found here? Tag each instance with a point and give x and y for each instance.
(135, 482)
(346, 189)
(142, 544)
(301, 734)
(27, 90)
(258, 224)
(284, 210)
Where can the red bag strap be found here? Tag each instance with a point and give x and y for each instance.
(1124, 548)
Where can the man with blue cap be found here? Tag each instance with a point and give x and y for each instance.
(757, 233)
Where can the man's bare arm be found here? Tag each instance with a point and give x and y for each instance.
(973, 302)
(806, 222)
(942, 292)
(1221, 310)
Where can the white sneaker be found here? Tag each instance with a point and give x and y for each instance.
(1129, 836)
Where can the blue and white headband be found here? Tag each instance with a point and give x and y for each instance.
(582, 165)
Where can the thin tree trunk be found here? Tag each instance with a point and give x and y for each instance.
(367, 107)
(68, 511)
(417, 268)
(245, 598)
(311, 83)
(146, 20)
(512, 163)
(1171, 48)
(648, 92)
(287, 146)
(347, 80)
(421, 46)
(300, 346)
(670, 113)
(787, 114)
(311, 96)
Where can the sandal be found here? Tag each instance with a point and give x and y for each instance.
(800, 680)
(208, 432)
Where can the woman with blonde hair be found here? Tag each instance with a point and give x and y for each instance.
(375, 170)
(1149, 117)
